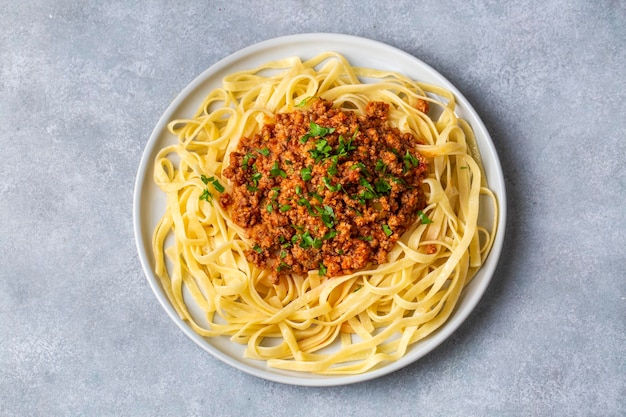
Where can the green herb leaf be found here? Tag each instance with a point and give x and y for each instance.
(218, 187)
(303, 102)
(269, 208)
(366, 238)
(207, 196)
(380, 167)
(307, 241)
(321, 151)
(329, 185)
(264, 151)
(423, 217)
(327, 215)
(316, 130)
(382, 186)
(368, 193)
(360, 166)
(258, 249)
(322, 271)
(332, 169)
(282, 266)
(387, 230)
(246, 161)
(330, 234)
(305, 173)
(275, 171)
(205, 179)
(256, 177)
(284, 208)
(316, 196)
(345, 147)
(410, 161)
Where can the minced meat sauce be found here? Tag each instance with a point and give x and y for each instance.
(325, 189)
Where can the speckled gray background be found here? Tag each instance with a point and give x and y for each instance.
(82, 84)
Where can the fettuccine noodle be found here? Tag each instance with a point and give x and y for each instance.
(340, 325)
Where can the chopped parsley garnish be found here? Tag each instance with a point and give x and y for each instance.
(423, 217)
(367, 194)
(316, 130)
(246, 161)
(303, 102)
(256, 177)
(316, 196)
(382, 186)
(275, 171)
(264, 151)
(321, 151)
(357, 212)
(216, 183)
(218, 187)
(360, 166)
(380, 167)
(332, 169)
(410, 161)
(284, 208)
(387, 230)
(345, 147)
(329, 185)
(282, 266)
(304, 202)
(207, 196)
(305, 173)
(308, 241)
(328, 215)
(330, 234)
(366, 238)
(258, 249)
(269, 208)
(322, 270)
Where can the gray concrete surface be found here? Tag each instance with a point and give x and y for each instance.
(82, 84)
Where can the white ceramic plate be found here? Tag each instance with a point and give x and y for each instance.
(149, 201)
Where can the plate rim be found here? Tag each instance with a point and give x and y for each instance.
(434, 340)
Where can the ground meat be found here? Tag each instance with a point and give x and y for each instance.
(325, 189)
(422, 105)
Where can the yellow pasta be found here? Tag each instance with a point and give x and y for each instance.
(341, 325)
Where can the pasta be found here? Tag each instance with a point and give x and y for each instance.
(325, 325)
